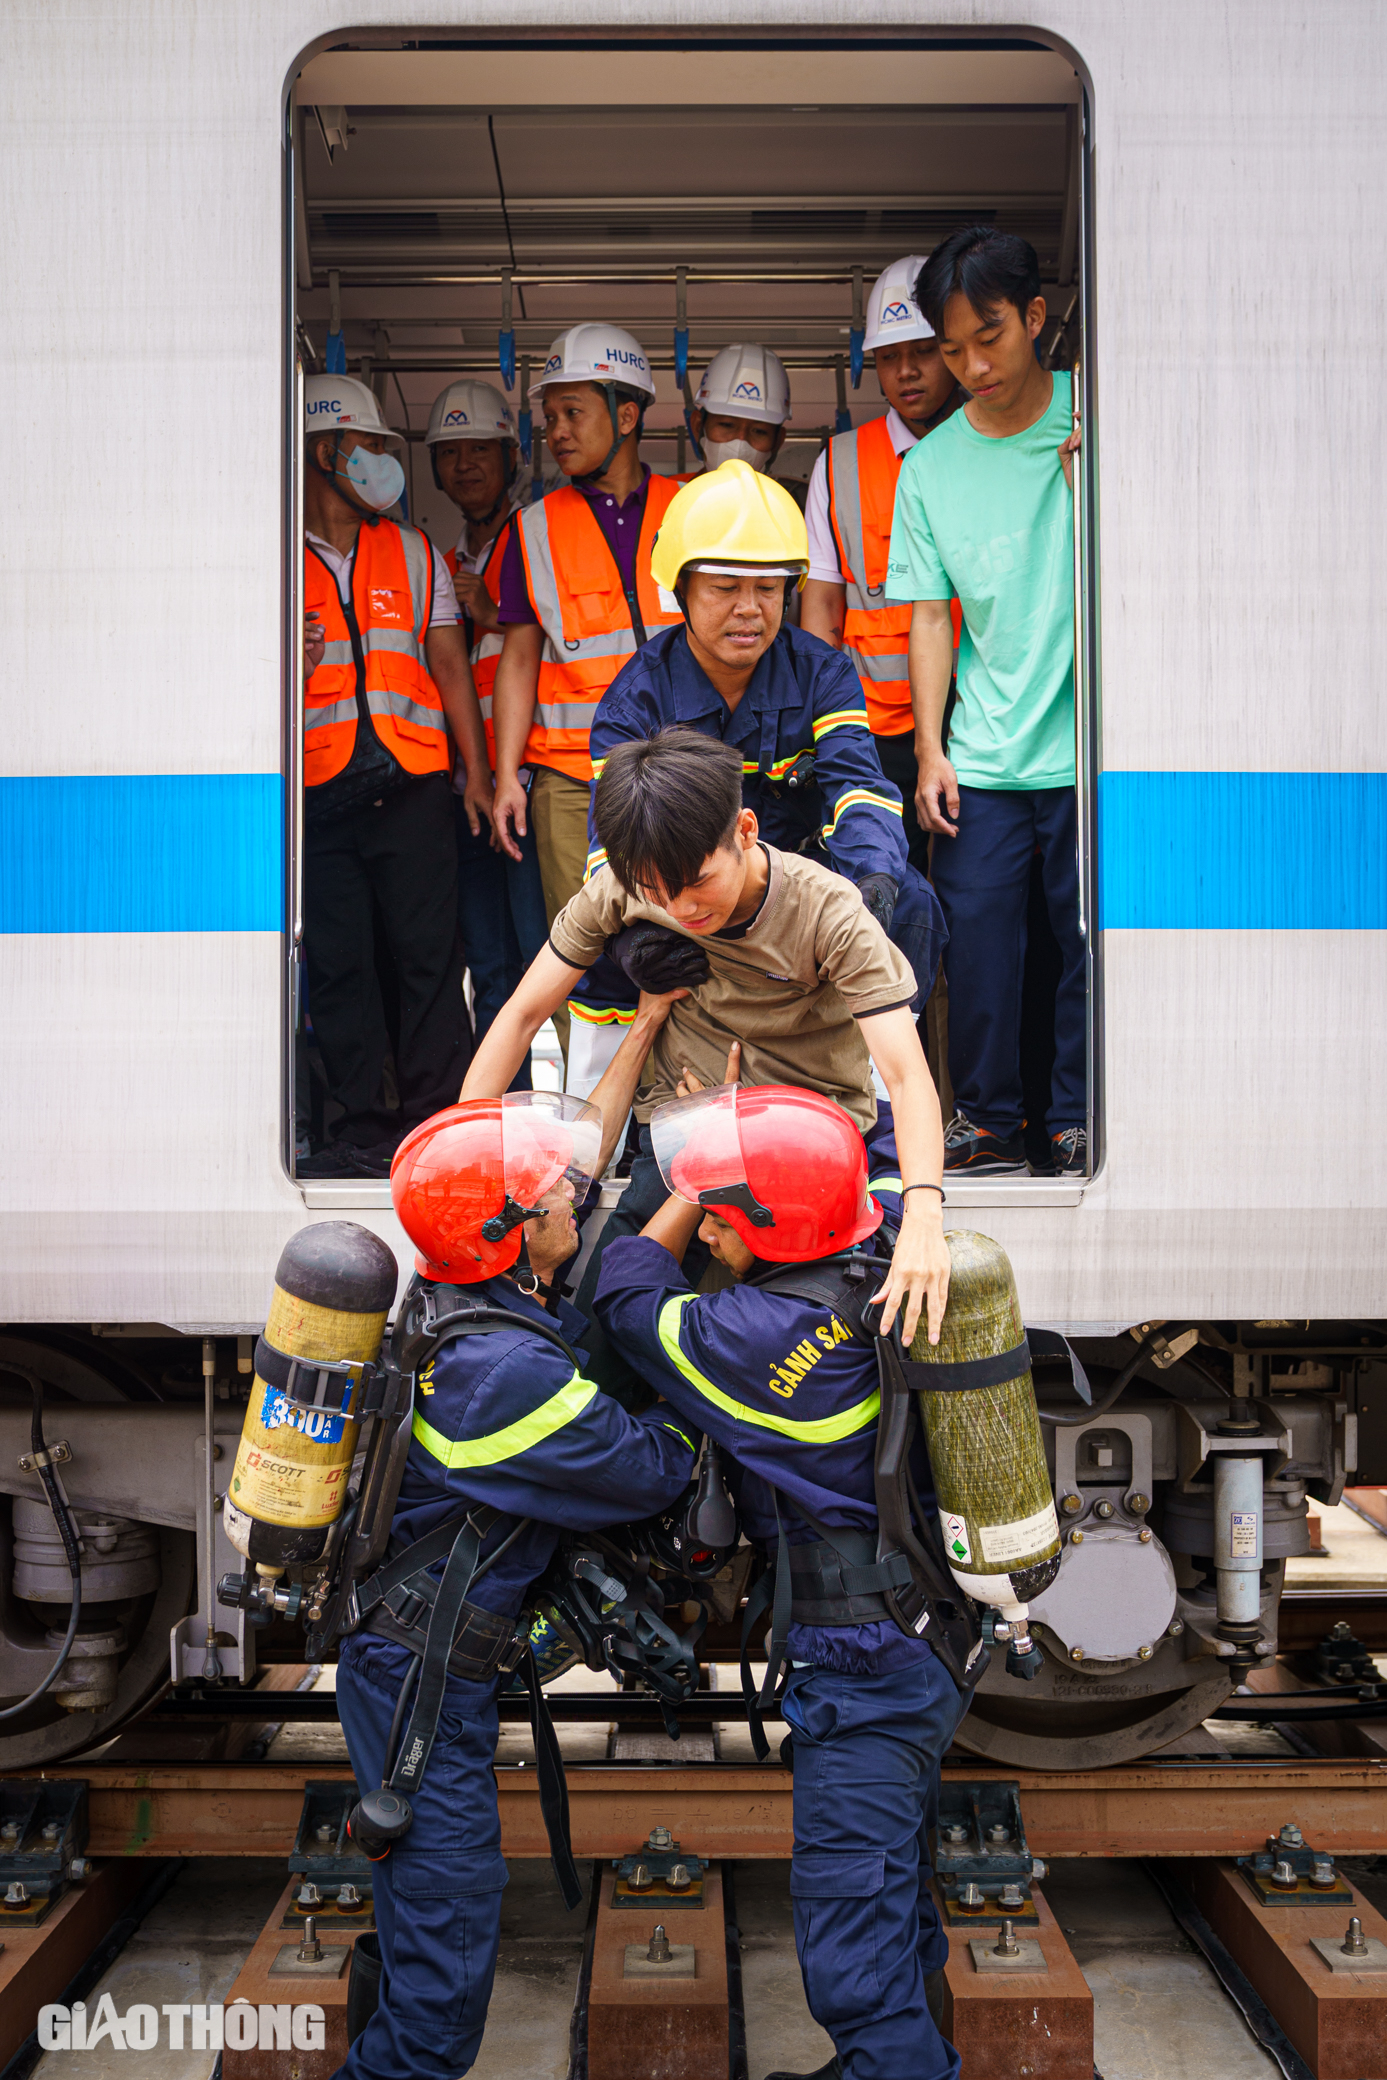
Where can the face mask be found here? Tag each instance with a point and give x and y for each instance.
(377, 480)
(715, 452)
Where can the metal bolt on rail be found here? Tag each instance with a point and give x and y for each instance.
(640, 1879)
(1008, 1945)
(1284, 1874)
(678, 1880)
(349, 1897)
(1322, 1873)
(309, 1895)
(1011, 1896)
(659, 1951)
(971, 1896)
(310, 1949)
(17, 1894)
(1290, 1837)
(1353, 1944)
(659, 1839)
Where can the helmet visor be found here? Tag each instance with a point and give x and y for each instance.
(548, 1137)
(699, 1151)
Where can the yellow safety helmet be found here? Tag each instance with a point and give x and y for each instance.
(731, 519)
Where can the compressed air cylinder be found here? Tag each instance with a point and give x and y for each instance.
(996, 1505)
(334, 1284)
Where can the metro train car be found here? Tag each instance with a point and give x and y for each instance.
(198, 199)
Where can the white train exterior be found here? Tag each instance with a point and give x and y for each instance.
(1238, 749)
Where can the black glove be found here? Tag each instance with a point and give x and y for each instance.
(878, 892)
(655, 958)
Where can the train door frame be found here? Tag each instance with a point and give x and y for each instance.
(1087, 603)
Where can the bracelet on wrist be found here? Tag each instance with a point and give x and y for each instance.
(925, 1188)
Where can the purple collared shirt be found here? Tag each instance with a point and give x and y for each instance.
(619, 521)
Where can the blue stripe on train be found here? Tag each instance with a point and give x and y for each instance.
(148, 852)
(1243, 851)
(204, 852)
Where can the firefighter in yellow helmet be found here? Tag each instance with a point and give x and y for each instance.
(731, 549)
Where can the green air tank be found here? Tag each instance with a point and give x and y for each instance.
(996, 1505)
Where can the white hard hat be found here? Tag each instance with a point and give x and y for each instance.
(330, 402)
(892, 312)
(596, 354)
(469, 411)
(746, 383)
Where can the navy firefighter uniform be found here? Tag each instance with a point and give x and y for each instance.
(810, 771)
(503, 1420)
(791, 1396)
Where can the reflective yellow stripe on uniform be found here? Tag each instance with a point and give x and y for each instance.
(878, 1185)
(530, 1430)
(841, 718)
(860, 798)
(823, 1430)
(594, 861)
(607, 1015)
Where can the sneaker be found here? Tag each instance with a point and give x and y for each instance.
(979, 1151)
(1069, 1148)
(344, 1159)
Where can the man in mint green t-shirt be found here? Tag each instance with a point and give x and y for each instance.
(984, 510)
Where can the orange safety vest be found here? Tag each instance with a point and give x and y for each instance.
(392, 600)
(486, 651)
(863, 467)
(576, 591)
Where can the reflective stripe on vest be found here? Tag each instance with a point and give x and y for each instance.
(392, 597)
(517, 1437)
(824, 1430)
(576, 591)
(486, 651)
(863, 467)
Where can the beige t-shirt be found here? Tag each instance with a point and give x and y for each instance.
(811, 963)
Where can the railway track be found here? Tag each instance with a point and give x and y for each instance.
(154, 1800)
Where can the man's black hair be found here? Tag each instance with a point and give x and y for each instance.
(986, 266)
(664, 804)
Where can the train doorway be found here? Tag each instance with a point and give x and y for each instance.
(451, 209)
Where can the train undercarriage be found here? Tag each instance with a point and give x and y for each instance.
(1146, 1631)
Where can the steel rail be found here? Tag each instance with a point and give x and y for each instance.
(733, 1809)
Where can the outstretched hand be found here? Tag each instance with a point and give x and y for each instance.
(918, 1279)
(689, 1085)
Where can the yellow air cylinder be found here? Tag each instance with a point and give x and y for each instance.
(334, 1284)
(996, 1505)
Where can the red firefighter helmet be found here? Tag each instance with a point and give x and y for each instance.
(786, 1168)
(465, 1181)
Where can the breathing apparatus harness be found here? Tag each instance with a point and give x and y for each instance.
(849, 1577)
(604, 1597)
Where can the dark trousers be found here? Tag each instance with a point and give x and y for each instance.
(901, 767)
(982, 878)
(867, 1751)
(501, 918)
(438, 1892)
(402, 852)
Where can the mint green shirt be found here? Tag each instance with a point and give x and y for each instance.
(993, 522)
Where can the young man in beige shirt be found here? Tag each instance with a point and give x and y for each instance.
(765, 948)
